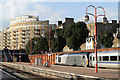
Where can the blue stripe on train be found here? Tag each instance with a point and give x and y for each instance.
(110, 62)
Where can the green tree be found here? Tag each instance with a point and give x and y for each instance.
(40, 45)
(56, 44)
(75, 35)
(106, 39)
(27, 47)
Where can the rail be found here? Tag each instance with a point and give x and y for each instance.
(47, 72)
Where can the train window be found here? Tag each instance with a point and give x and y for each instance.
(105, 58)
(100, 58)
(93, 58)
(59, 59)
(113, 58)
(90, 58)
(83, 57)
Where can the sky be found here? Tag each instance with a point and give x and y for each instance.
(55, 10)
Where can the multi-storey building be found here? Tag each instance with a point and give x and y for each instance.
(0, 40)
(68, 21)
(24, 28)
(3, 38)
(101, 28)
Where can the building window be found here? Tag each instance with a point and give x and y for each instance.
(106, 27)
(52, 27)
(42, 27)
(32, 23)
(117, 44)
(35, 23)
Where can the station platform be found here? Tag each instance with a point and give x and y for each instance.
(112, 74)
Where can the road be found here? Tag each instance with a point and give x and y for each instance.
(6, 76)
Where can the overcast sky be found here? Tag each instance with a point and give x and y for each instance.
(54, 11)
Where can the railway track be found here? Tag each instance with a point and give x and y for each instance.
(22, 75)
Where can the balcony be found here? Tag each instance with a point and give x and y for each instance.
(8, 38)
(23, 36)
(23, 40)
(17, 36)
(8, 35)
(14, 34)
(37, 32)
(13, 40)
(8, 42)
(28, 32)
(23, 33)
(36, 29)
(23, 29)
(22, 47)
(14, 30)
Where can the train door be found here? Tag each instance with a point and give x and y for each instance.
(90, 60)
(56, 60)
(84, 61)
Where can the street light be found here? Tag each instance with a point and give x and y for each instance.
(55, 36)
(86, 18)
(30, 51)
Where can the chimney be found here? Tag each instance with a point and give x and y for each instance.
(59, 23)
(69, 19)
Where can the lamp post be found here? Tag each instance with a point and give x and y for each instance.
(20, 55)
(55, 36)
(86, 18)
(13, 55)
(30, 51)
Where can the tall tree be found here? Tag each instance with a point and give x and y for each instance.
(106, 39)
(75, 35)
(40, 45)
(56, 44)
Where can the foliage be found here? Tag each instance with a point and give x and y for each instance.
(75, 35)
(106, 39)
(40, 45)
(27, 47)
(56, 44)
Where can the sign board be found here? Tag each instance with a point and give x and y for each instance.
(49, 54)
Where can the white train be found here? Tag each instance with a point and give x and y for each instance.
(76, 59)
(105, 59)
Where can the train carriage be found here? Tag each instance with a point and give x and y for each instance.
(76, 59)
(109, 59)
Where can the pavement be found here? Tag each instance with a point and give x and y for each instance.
(102, 73)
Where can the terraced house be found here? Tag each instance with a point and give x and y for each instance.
(24, 28)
